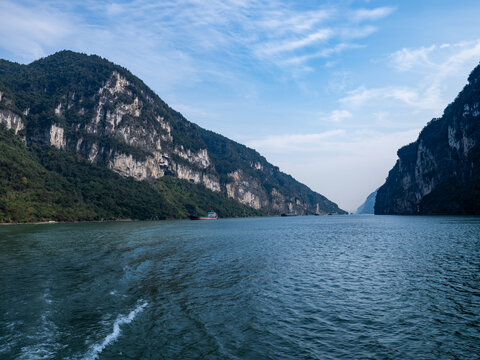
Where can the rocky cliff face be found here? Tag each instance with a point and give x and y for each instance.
(440, 172)
(101, 112)
(11, 120)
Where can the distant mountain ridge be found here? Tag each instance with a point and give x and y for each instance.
(100, 112)
(368, 207)
(440, 172)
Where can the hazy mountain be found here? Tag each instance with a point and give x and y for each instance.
(368, 207)
(440, 172)
(74, 111)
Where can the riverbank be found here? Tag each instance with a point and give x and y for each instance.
(51, 222)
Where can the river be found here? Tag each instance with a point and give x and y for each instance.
(318, 287)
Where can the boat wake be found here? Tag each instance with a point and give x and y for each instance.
(96, 349)
(44, 343)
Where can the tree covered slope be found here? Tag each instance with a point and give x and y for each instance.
(86, 112)
(40, 183)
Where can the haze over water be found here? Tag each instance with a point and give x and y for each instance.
(265, 288)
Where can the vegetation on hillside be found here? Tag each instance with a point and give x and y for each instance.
(40, 183)
(63, 89)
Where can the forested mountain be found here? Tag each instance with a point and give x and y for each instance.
(102, 144)
(440, 172)
(39, 183)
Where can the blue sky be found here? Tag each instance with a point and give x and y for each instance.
(326, 90)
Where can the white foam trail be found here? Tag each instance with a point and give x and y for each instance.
(113, 336)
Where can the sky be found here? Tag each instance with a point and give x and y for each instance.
(326, 90)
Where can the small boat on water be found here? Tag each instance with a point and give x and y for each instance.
(291, 213)
(212, 215)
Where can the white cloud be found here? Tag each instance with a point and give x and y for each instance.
(417, 98)
(339, 115)
(372, 14)
(360, 96)
(293, 44)
(295, 142)
(324, 53)
(406, 95)
(406, 59)
(437, 60)
(281, 21)
(437, 70)
(352, 33)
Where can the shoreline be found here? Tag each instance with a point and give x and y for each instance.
(53, 222)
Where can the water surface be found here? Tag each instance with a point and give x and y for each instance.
(333, 287)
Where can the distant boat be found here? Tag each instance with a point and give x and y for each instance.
(291, 213)
(212, 215)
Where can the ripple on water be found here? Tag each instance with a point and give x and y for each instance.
(271, 288)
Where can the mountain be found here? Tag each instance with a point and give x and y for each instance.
(83, 119)
(440, 172)
(368, 207)
(39, 183)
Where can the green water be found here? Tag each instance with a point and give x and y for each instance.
(334, 287)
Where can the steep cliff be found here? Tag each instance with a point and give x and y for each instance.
(40, 183)
(90, 107)
(440, 172)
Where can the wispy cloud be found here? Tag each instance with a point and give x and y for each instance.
(438, 59)
(428, 98)
(238, 30)
(372, 14)
(406, 59)
(434, 67)
(28, 32)
(352, 33)
(360, 96)
(324, 53)
(281, 20)
(339, 115)
(318, 36)
(296, 142)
